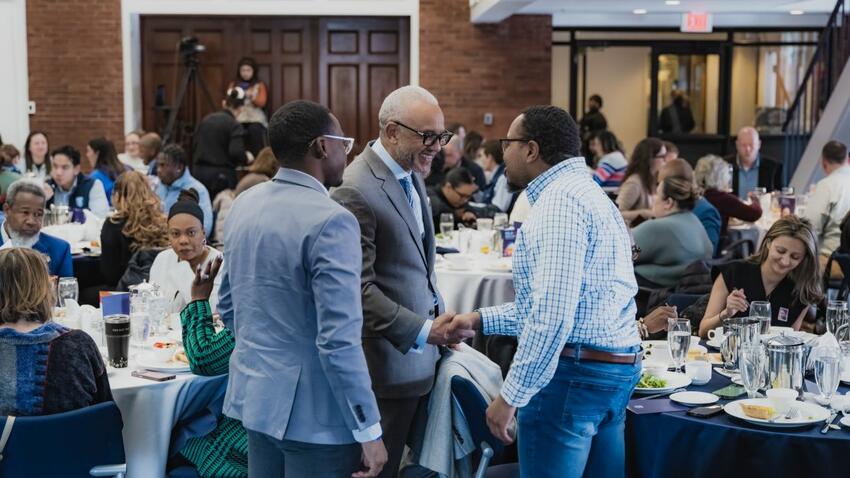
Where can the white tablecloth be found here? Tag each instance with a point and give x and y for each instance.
(466, 290)
(151, 409)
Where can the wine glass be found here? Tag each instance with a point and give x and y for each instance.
(751, 367)
(836, 310)
(68, 289)
(447, 224)
(827, 374)
(678, 340)
(761, 310)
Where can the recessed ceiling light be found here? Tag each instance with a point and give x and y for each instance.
(796, 12)
(672, 3)
(639, 11)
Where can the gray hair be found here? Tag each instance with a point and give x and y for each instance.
(712, 172)
(396, 102)
(25, 185)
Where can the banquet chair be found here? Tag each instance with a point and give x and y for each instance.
(474, 408)
(843, 284)
(84, 442)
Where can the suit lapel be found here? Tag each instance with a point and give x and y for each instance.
(428, 243)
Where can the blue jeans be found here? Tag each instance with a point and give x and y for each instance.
(269, 457)
(575, 425)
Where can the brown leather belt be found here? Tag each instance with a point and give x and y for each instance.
(594, 355)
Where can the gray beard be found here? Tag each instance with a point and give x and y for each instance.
(19, 240)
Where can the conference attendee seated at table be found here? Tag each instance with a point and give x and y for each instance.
(149, 146)
(174, 268)
(707, 214)
(36, 158)
(263, 169)
(829, 203)
(785, 271)
(46, 368)
(453, 196)
(641, 180)
(106, 168)
(674, 239)
(138, 224)
(715, 179)
(8, 174)
(750, 169)
(67, 186)
(224, 450)
(132, 155)
(611, 163)
(23, 211)
(172, 168)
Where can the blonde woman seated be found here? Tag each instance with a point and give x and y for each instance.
(713, 174)
(674, 239)
(785, 272)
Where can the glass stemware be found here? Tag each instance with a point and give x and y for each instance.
(751, 366)
(836, 311)
(678, 340)
(761, 310)
(68, 288)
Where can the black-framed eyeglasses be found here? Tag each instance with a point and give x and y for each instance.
(429, 137)
(504, 142)
(348, 143)
(465, 197)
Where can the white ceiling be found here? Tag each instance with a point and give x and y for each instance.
(725, 13)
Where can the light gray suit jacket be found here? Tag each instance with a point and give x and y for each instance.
(398, 280)
(291, 294)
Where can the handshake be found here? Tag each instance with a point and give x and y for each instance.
(451, 328)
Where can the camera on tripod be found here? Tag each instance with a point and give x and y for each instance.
(189, 49)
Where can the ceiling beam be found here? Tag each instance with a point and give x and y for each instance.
(494, 11)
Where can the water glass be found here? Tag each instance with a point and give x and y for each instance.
(500, 220)
(729, 351)
(836, 313)
(751, 366)
(761, 310)
(68, 289)
(447, 224)
(827, 375)
(678, 340)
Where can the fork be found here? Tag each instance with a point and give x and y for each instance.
(790, 414)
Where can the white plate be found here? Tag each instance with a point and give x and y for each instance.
(674, 380)
(148, 361)
(175, 335)
(809, 413)
(845, 421)
(693, 399)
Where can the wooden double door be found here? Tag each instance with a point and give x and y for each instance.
(348, 64)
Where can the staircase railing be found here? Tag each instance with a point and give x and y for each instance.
(817, 85)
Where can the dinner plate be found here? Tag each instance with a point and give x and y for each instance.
(694, 399)
(175, 335)
(809, 413)
(674, 380)
(845, 421)
(148, 361)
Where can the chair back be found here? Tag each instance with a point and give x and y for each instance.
(843, 285)
(474, 407)
(64, 444)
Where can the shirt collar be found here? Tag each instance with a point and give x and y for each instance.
(299, 177)
(395, 168)
(3, 233)
(536, 187)
(73, 186)
(182, 181)
(753, 167)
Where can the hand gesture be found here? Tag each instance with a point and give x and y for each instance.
(736, 302)
(443, 333)
(202, 286)
(374, 459)
(499, 416)
(48, 191)
(656, 320)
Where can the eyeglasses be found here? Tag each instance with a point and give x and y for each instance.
(504, 142)
(429, 137)
(465, 197)
(348, 142)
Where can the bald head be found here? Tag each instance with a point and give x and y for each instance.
(748, 144)
(678, 168)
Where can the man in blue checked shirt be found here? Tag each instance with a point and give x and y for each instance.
(576, 363)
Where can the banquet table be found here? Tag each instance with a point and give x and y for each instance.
(151, 409)
(473, 287)
(673, 444)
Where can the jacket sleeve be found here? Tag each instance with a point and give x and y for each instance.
(381, 314)
(208, 351)
(111, 265)
(262, 95)
(65, 265)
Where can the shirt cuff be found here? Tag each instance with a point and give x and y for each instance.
(421, 339)
(491, 323)
(369, 434)
(514, 395)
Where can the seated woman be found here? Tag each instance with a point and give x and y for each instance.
(173, 269)
(45, 368)
(611, 168)
(674, 239)
(641, 179)
(138, 224)
(104, 160)
(713, 175)
(263, 169)
(785, 271)
(224, 451)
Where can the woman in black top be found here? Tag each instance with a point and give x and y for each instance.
(138, 223)
(785, 271)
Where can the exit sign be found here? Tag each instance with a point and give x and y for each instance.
(696, 22)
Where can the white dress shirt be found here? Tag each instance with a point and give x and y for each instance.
(827, 206)
(174, 278)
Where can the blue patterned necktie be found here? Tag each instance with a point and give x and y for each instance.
(407, 186)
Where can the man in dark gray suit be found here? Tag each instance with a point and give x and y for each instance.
(403, 314)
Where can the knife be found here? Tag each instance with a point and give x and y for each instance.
(829, 421)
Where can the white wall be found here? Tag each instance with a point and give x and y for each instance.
(561, 76)
(14, 78)
(744, 86)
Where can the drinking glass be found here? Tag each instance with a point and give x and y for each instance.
(751, 367)
(117, 332)
(836, 311)
(761, 310)
(827, 374)
(68, 289)
(678, 340)
(729, 351)
(447, 224)
(500, 220)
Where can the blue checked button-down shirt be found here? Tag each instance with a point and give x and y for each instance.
(573, 278)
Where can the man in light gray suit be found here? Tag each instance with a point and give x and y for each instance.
(403, 316)
(291, 293)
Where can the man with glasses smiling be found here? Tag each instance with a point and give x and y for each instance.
(403, 314)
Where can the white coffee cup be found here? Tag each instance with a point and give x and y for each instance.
(699, 371)
(654, 367)
(715, 333)
(781, 399)
(659, 353)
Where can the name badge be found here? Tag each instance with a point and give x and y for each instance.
(783, 314)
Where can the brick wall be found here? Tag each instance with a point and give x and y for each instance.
(75, 70)
(473, 69)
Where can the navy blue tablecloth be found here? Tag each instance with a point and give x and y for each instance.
(674, 444)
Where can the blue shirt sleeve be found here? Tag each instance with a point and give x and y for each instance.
(62, 259)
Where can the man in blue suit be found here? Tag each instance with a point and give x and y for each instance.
(24, 210)
(291, 294)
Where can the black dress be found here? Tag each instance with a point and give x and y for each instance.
(115, 251)
(785, 304)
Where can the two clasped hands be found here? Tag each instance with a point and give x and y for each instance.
(450, 329)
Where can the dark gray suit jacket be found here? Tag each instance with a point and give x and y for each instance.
(397, 278)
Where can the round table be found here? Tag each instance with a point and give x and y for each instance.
(467, 290)
(673, 444)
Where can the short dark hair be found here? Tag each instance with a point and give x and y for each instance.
(597, 99)
(247, 60)
(493, 147)
(554, 131)
(69, 151)
(457, 177)
(834, 152)
(175, 153)
(294, 126)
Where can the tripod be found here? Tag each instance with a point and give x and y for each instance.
(190, 76)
